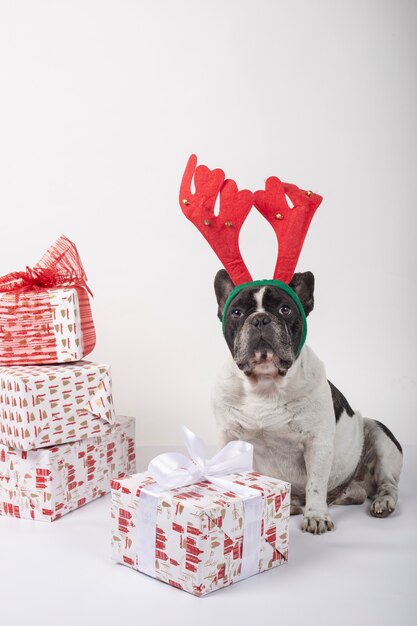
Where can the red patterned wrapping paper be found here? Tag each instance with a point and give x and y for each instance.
(199, 534)
(44, 405)
(45, 484)
(45, 313)
(48, 326)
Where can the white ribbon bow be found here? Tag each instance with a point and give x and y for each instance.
(172, 469)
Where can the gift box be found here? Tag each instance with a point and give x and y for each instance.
(44, 405)
(48, 483)
(45, 314)
(201, 537)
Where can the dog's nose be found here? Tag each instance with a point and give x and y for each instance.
(261, 320)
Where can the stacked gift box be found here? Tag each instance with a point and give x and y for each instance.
(60, 440)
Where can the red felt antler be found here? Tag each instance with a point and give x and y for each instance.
(290, 224)
(221, 231)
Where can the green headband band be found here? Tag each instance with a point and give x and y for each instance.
(274, 283)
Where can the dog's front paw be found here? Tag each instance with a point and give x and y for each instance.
(316, 524)
(382, 506)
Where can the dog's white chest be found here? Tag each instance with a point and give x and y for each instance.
(278, 418)
(277, 437)
(262, 414)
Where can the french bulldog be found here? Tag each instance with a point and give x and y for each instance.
(302, 428)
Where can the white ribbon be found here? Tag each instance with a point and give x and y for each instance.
(172, 470)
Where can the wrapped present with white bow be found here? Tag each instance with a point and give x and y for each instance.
(199, 524)
(45, 484)
(47, 405)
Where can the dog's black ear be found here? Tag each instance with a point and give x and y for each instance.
(303, 285)
(223, 286)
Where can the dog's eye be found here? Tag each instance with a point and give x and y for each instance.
(236, 313)
(285, 310)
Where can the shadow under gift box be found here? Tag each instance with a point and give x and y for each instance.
(44, 405)
(46, 484)
(199, 530)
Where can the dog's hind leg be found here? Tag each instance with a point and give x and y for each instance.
(383, 458)
(354, 493)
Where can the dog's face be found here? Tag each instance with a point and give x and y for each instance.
(263, 326)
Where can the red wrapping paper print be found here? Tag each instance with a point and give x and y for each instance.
(48, 326)
(199, 534)
(45, 313)
(45, 484)
(44, 405)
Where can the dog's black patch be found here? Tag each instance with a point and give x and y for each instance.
(223, 286)
(390, 435)
(303, 285)
(273, 333)
(276, 329)
(340, 403)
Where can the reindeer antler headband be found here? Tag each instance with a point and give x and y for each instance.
(222, 231)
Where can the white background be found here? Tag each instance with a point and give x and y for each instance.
(102, 103)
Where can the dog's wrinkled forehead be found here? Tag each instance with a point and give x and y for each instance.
(268, 299)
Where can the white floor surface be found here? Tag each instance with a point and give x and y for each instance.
(363, 573)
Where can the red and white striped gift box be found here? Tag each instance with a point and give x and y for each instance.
(199, 529)
(44, 405)
(48, 483)
(45, 313)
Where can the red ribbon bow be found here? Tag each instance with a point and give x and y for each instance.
(60, 266)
